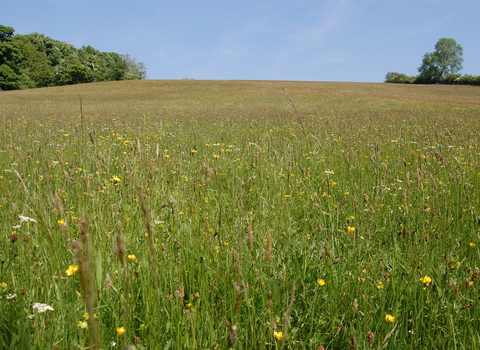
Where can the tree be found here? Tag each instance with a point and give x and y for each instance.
(76, 74)
(135, 70)
(10, 56)
(36, 60)
(394, 77)
(36, 66)
(116, 67)
(447, 58)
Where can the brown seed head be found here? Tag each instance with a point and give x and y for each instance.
(474, 276)
(370, 337)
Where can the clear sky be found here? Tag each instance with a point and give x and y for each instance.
(315, 40)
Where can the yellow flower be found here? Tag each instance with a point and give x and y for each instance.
(61, 222)
(71, 270)
(389, 318)
(3, 285)
(350, 229)
(472, 244)
(426, 281)
(82, 324)
(278, 335)
(85, 316)
(193, 151)
(131, 257)
(453, 264)
(321, 282)
(115, 179)
(121, 330)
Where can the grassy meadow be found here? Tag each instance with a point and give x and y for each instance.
(232, 214)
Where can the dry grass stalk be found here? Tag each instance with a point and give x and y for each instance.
(287, 315)
(296, 113)
(87, 281)
(148, 224)
(268, 247)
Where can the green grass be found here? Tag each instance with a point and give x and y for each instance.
(230, 207)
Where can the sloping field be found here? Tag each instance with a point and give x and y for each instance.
(157, 97)
(236, 214)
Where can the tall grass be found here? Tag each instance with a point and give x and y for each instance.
(203, 215)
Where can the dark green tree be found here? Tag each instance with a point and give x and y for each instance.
(76, 73)
(115, 66)
(10, 56)
(35, 60)
(447, 58)
(55, 50)
(36, 67)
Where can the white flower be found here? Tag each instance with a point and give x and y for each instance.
(329, 172)
(112, 343)
(16, 227)
(26, 219)
(10, 296)
(41, 307)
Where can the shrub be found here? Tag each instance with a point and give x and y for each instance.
(394, 77)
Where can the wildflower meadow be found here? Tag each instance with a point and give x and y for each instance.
(242, 215)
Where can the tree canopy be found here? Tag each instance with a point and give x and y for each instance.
(441, 66)
(447, 58)
(35, 60)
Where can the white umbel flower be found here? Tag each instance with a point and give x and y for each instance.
(42, 307)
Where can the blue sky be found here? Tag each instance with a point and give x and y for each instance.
(313, 40)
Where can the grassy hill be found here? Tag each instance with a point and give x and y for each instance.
(221, 214)
(158, 97)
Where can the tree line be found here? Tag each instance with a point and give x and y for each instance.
(438, 67)
(35, 60)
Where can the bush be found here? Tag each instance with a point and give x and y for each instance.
(466, 79)
(451, 79)
(394, 77)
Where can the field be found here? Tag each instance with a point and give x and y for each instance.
(240, 214)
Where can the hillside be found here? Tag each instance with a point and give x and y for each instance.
(190, 97)
(198, 214)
